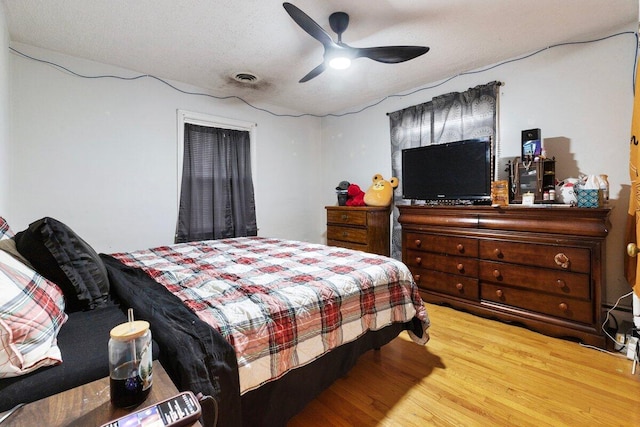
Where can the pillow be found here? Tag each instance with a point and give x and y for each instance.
(31, 314)
(9, 246)
(5, 230)
(61, 256)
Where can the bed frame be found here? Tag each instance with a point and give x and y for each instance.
(199, 359)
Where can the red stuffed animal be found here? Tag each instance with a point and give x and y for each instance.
(355, 196)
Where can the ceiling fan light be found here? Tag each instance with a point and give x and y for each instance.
(340, 63)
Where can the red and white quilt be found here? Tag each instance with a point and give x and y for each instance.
(281, 303)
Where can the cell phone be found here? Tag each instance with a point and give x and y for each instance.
(180, 410)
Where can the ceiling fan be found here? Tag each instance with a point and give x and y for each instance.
(339, 54)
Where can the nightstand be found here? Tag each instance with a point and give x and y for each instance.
(88, 404)
(363, 228)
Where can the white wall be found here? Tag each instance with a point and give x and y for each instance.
(101, 155)
(4, 115)
(580, 96)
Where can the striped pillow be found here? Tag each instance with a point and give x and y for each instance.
(5, 230)
(31, 314)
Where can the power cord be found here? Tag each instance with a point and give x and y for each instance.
(609, 315)
(10, 412)
(401, 95)
(631, 345)
(209, 410)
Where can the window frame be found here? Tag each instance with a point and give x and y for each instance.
(203, 119)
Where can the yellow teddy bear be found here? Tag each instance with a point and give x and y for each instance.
(381, 191)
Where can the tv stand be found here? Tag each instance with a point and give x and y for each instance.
(539, 267)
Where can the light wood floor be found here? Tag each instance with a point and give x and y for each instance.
(479, 372)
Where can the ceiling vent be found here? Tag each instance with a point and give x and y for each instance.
(248, 78)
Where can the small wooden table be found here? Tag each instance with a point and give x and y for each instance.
(88, 404)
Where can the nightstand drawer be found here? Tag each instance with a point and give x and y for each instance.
(575, 285)
(348, 245)
(347, 234)
(352, 217)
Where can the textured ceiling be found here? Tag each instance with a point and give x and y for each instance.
(205, 43)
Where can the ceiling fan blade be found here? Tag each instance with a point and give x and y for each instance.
(308, 24)
(391, 54)
(313, 73)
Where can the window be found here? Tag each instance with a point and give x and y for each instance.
(215, 178)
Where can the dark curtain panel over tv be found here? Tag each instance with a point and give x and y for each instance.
(446, 118)
(216, 196)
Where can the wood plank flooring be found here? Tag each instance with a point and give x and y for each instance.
(480, 372)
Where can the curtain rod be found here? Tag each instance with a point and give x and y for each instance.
(498, 83)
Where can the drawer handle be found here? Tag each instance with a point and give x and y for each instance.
(497, 274)
(497, 252)
(499, 293)
(418, 243)
(460, 247)
(418, 260)
(416, 278)
(459, 286)
(561, 283)
(345, 234)
(345, 217)
(562, 260)
(563, 306)
(460, 267)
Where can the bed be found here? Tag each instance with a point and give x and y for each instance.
(262, 324)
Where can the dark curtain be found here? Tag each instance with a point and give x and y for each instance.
(464, 115)
(446, 118)
(216, 197)
(409, 128)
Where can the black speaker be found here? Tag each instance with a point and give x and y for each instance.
(531, 143)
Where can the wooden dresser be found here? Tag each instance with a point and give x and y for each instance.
(542, 267)
(363, 228)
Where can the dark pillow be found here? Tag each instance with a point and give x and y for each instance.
(61, 256)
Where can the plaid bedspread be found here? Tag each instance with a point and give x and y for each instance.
(282, 303)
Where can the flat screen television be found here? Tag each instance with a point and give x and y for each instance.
(452, 172)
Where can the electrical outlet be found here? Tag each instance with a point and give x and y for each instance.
(632, 348)
(621, 341)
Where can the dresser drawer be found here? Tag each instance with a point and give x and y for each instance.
(347, 234)
(347, 217)
(554, 305)
(548, 256)
(349, 245)
(463, 246)
(451, 284)
(574, 285)
(444, 263)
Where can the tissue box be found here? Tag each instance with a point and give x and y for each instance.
(589, 198)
